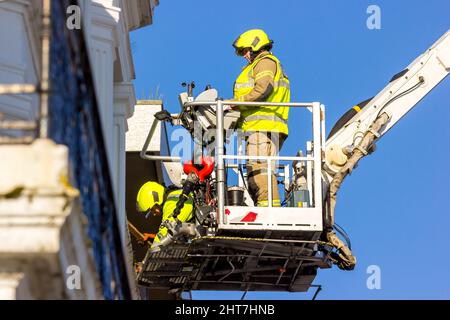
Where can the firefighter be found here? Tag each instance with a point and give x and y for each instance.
(154, 199)
(265, 128)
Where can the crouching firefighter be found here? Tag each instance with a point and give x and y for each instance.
(154, 199)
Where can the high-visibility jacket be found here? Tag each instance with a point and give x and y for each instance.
(169, 207)
(263, 118)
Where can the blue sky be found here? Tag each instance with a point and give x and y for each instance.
(395, 205)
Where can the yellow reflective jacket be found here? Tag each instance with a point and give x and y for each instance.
(169, 207)
(272, 119)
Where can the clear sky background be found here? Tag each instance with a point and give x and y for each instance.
(395, 205)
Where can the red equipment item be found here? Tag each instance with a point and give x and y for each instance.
(207, 164)
(250, 217)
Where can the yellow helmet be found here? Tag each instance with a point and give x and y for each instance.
(149, 194)
(254, 39)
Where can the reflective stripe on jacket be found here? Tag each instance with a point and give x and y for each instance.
(263, 118)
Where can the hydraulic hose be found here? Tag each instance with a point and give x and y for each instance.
(342, 232)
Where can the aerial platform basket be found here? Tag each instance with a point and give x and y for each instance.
(251, 248)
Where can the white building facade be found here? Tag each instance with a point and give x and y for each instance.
(45, 249)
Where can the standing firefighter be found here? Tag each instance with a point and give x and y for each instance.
(155, 199)
(265, 128)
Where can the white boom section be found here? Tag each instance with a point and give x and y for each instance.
(400, 95)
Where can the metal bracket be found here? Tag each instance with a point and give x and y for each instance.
(364, 151)
(375, 133)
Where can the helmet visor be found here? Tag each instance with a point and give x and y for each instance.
(241, 51)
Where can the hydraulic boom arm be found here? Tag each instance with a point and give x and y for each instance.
(354, 135)
(402, 93)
